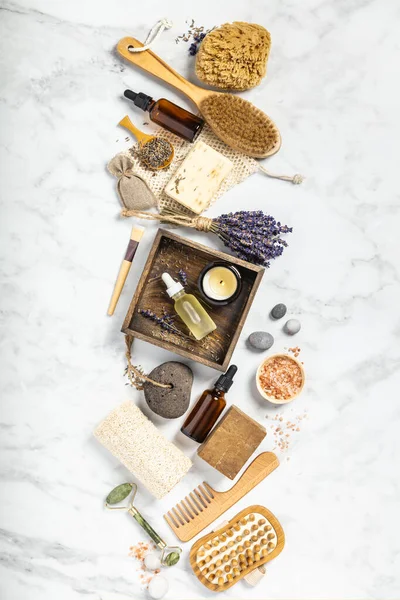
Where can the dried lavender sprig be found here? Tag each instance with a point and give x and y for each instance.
(163, 322)
(253, 236)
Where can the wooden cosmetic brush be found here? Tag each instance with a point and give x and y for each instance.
(234, 120)
(136, 236)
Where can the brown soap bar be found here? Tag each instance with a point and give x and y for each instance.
(232, 442)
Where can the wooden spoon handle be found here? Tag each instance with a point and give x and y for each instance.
(150, 62)
(261, 466)
(140, 136)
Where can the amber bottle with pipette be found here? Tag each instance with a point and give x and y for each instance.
(168, 115)
(210, 405)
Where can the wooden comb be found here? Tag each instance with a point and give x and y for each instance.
(236, 121)
(202, 506)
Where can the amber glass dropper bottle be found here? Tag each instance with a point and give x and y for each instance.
(168, 115)
(206, 411)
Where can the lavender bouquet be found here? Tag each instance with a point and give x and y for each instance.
(251, 235)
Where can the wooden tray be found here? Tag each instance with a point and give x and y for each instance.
(255, 509)
(170, 253)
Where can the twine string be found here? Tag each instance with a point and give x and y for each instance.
(153, 35)
(295, 179)
(138, 374)
(199, 223)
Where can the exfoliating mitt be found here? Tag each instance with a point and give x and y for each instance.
(234, 56)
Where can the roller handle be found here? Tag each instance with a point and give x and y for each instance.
(147, 527)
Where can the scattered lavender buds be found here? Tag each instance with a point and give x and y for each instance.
(253, 236)
(195, 33)
(156, 152)
(183, 278)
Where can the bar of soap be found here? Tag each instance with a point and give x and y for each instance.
(232, 442)
(198, 178)
(129, 435)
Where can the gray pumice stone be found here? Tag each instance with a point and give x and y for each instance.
(169, 403)
(292, 326)
(278, 311)
(261, 340)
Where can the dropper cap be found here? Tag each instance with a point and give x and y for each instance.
(173, 287)
(224, 382)
(140, 100)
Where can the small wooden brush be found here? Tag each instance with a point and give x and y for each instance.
(136, 236)
(234, 120)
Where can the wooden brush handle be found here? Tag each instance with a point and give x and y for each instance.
(119, 284)
(261, 466)
(150, 62)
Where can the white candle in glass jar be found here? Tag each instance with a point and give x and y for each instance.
(219, 283)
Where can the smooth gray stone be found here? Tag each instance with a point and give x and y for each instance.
(278, 311)
(261, 340)
(292, 326)
(169, 403)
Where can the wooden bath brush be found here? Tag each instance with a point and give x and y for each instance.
(234, 120)
(238, 550)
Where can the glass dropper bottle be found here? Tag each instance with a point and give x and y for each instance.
(208, 408)
(168, 115)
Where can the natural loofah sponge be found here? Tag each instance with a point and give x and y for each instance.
(234, 56)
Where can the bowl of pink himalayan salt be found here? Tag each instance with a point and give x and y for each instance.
(280, 378)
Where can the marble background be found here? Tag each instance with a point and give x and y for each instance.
(333, 89)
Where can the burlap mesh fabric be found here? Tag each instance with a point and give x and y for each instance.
(243, 166)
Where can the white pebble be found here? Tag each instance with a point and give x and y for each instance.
(158, 587)
(152, 561)
(292, 326)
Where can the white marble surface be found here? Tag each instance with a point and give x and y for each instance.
(333, 91)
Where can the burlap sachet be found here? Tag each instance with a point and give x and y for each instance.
(133, 190)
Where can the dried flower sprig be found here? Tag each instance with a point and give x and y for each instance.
(165, 322)
(197, 34)
(252, 235)
(194, 46)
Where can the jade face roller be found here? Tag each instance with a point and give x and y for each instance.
(170, 555)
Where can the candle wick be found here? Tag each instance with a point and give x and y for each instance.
(222, 282)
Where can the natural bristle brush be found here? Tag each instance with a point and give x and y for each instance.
(234, 120)
(170, 555)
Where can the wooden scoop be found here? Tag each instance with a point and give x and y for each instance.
(144, 138)
(234, 120)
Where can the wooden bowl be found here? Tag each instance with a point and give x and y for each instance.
(272, 399)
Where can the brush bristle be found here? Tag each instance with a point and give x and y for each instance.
(240, 124)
